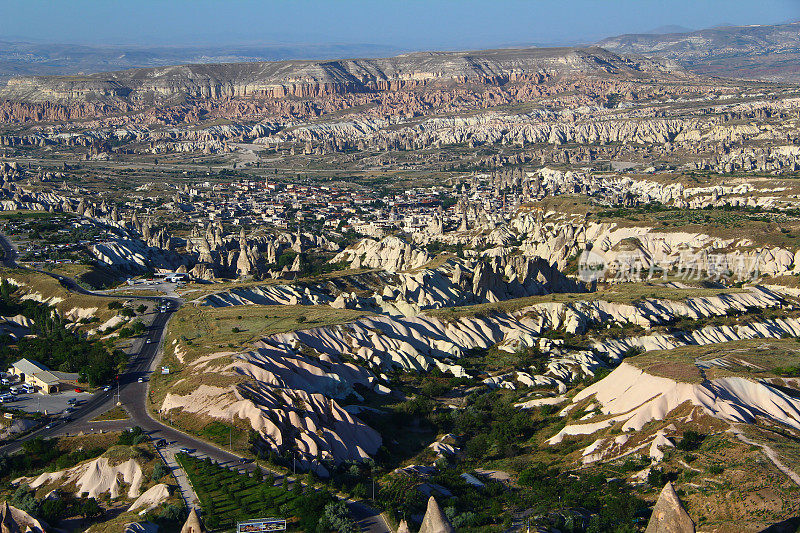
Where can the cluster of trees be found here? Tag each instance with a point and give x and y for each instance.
(54, 345)
(490, 428)
(495, 428)
(221, 490)
(53, 510)
(38, 453)
(311, 264)
(605, 506)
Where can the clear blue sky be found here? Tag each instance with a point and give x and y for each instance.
(409, 24)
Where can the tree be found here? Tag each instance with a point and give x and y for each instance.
(91, 509)
(691, 440)
(159, 471)
(336, 517)
(24, 498)
(52, 510)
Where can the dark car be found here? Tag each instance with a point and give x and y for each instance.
(160, 443)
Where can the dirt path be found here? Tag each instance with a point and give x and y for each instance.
(771, 454)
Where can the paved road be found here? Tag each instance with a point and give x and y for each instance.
(133, 396)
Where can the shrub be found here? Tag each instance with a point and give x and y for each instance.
(691, 440)
(159, 471)
(336, 517)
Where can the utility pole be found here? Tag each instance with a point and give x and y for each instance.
(294, 465)
(230, 438)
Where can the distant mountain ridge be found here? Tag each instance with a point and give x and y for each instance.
(19, 58)
(302, 78)
(759, 52)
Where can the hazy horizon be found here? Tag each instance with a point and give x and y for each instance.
(387, 26)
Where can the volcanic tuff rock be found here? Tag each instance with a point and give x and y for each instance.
(193, 524)
(669, 515)
(435, 521)
(634, 398)
(314, 78)
(767, 52)
(13, 520)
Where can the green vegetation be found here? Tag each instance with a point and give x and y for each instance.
(212, 328)
(54, 345)
(54, 510)
(115, 413)
(228, 496)
(39, 455)
(46, 288)
(755, 358)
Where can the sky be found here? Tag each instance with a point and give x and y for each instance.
(403, 24)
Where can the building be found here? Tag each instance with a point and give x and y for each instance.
(45, 380)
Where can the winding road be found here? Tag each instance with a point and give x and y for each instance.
(133, 396)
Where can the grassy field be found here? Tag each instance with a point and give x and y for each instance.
(196, 331)
(115, 413)
(49, 288)
(200, 330)
(91, 276)
(754, 358)
(228, 496)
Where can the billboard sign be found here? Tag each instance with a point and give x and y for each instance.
(261, 525)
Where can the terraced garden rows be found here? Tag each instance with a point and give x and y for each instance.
(227, 496)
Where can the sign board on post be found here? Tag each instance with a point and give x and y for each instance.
(261, 525)
(165, 370)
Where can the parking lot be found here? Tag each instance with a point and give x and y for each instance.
(46, 403)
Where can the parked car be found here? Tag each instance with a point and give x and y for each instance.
(160, 443)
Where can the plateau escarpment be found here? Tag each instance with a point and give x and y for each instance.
(312, 78)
